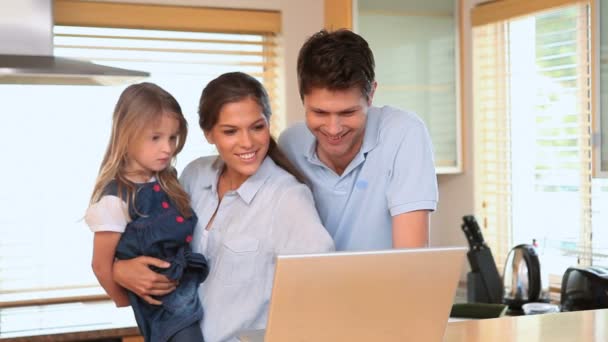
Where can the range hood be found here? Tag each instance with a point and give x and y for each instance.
(26, 51)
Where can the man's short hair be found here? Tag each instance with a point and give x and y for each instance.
(337, 60)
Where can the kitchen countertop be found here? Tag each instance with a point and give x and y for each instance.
(96, 320)
(574, 326)
(66, 322)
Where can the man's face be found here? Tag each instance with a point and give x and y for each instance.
(337, 119)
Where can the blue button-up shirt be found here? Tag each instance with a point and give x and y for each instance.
(269, 214)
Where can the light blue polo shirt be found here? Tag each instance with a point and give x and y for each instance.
(393, 173)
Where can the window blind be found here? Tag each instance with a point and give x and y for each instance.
(175, 54)
(532, 109)
(492, 137)
(45, 247)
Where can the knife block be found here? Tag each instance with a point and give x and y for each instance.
(483, 282)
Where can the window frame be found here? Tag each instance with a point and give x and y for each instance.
(165, 17)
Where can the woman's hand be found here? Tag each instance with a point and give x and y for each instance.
(135, 275)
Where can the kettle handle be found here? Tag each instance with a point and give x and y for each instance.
(534, 281)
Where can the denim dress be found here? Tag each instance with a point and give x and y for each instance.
(157, 229)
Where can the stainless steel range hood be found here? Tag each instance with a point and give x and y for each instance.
(26, 51)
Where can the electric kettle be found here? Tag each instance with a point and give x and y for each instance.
(521, 277)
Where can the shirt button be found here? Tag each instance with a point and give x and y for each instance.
(165, 205)
(156, 187)
(179, 219)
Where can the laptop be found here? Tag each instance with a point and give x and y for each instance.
(390, 295)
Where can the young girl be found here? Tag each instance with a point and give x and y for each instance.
(139, 208)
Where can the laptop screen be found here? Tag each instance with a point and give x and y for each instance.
(389, 295)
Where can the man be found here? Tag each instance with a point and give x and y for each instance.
(371, 169)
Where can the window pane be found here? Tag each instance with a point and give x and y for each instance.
(55, 137)
(415, 53)
(550, 161)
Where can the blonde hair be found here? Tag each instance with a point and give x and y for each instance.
(140, 105)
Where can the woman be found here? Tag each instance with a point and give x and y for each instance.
(251, 204)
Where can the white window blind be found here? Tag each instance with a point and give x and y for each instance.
(532, 110)
(492, 136)
(177, 56)
(55, 137)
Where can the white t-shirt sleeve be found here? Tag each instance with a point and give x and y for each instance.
(413, 181)
(109, 214)
(297, 226)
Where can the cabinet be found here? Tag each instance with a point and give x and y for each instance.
(416, 49)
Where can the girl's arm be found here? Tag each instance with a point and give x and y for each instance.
(104, 247)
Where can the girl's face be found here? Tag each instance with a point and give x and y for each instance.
(153, 150)
(241, 136)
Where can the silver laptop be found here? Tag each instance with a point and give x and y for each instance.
(391, 295)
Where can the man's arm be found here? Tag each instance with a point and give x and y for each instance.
(412, 190)
(411, 229)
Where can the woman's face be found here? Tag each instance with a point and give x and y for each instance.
(241, 136)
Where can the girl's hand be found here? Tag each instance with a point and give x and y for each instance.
(135, 275)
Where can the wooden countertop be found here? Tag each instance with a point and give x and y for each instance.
(576, 326)
(66, 322)
(94, 320)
